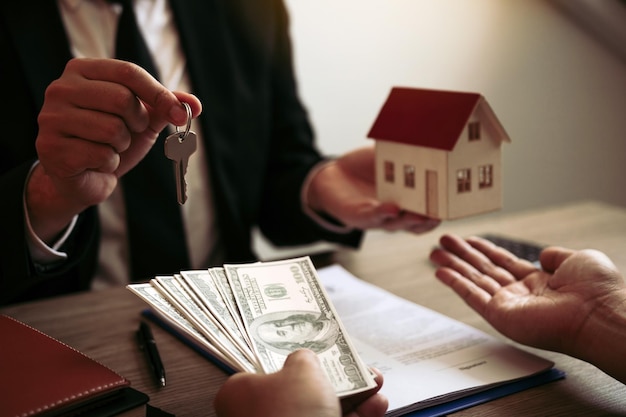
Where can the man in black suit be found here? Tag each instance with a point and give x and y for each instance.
(80, 126)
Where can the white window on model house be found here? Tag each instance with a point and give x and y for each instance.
(473, 129)
(485, 176)
(409, 176)
(463, 181)
(389, 168)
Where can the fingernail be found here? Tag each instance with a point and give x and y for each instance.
(386, 216)
(179, 114)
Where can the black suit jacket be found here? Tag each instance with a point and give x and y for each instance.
(258, 138)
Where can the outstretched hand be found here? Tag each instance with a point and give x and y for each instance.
(556, 307)
(345, 189)
(299, 389)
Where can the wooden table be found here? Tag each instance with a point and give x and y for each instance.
(102, 324)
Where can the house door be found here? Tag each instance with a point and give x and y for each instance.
(432, 196)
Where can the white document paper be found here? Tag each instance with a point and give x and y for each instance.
(426, 358)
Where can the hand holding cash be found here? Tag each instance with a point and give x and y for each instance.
(252, 316)
(299, 389)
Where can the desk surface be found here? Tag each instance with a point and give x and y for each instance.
(102, 324)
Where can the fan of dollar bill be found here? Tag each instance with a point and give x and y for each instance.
(250, 317)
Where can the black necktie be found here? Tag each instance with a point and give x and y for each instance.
(129, 44)
(154, 223)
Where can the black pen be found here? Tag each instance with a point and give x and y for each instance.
(148, 344)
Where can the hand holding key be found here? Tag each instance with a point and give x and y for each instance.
(179, 146)
(98, 120)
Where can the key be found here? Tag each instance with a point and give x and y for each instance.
(179, 150)
(179, 146)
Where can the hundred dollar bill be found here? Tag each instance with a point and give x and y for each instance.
(221, 282)
(284, 308)
(172, 315)
(175, 293)
(203, 286)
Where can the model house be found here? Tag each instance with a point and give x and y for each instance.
(438, 153)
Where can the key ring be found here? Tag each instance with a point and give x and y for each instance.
(183, 135)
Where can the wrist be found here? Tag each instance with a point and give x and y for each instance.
(315, 184)
(47, 213)
(311, 199)
(603, 337)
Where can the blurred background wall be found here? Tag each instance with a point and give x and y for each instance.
(553, 71)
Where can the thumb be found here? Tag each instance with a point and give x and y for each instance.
(303, 367)
(302, 358)
(551, 258)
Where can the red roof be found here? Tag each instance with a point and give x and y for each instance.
(432, 118)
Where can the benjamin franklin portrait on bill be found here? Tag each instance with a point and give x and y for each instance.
(286, 331)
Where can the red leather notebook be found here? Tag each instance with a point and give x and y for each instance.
(41, 376)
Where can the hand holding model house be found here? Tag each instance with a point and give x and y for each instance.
(438, 153)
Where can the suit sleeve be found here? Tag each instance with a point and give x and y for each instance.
(293, 154)
(20, 279)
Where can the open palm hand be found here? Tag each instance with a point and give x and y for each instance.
(546, 308)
